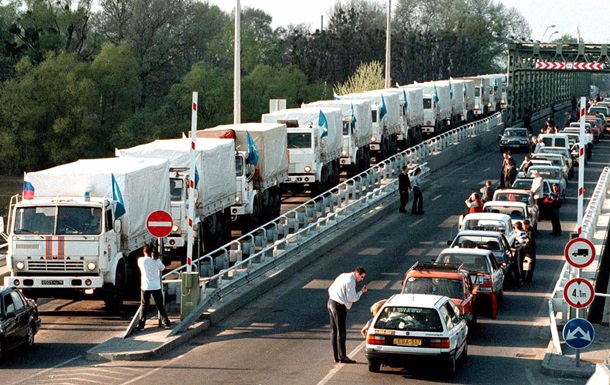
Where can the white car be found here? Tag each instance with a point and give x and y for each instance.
(518, 211)
(567, 155)
(556, 160)
(501, 223)
(519, 195)
(553, 174)
(417, 328)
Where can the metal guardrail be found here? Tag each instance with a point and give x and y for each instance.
(557, 303)
(271, 244)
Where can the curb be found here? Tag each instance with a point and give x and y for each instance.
(557, 365)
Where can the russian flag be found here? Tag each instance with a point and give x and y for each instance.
(28, 188)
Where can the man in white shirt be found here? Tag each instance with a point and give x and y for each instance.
(342, 294)
(150, 274)
(537, 187)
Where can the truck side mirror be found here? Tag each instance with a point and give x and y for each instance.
(117, 226)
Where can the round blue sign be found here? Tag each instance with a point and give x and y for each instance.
(578, 333)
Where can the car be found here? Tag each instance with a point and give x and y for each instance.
(596, 127)
(412, 329)
(486, 275)
(556, 160)
(501, 223)
(574, 127)
(489, 240)
(450, 281)
(544, 207)
(567, 155)
(515, 139)
(555, 140)
(517, 210)
(520, 195)
(553, 174)
(19, 321)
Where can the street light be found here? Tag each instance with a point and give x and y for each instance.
(546, 30)
(554, 32)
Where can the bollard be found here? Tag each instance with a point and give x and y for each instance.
(190, 293)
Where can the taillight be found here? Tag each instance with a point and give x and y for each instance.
(373, 339)
(439, 343)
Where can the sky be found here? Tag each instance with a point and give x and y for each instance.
(568, 16)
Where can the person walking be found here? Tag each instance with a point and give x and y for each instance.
(418, 198)
(487, 192)
(530, 251)
(404, 185)
(507, 162)
(474, 204)
(510, 170)
(341, 295)
(555, 202)
(150, 273)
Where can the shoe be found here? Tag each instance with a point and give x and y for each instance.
(402, 211)
(347, 360)
(337, 360)
(139, 328)
(168, 325)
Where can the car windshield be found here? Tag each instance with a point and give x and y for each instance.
(517, 133)
(477, 242)
(516, 213)
(546, 173)
(469, 262)
(452, 288)
(512, 197)
(525, 184)
(484, 224)
(409, 318)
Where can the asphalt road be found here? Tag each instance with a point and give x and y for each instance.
(282, 337)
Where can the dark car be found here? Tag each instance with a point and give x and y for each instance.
(515, 139)
(19, 320)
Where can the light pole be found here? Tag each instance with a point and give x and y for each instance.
(554, 32)
(388, 45)
(546, 30)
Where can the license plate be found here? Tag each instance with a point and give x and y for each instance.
(52, 282)
(375, 147)
(407, 341)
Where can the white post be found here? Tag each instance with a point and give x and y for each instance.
(191, 199)
(581, 164)
(237, 67)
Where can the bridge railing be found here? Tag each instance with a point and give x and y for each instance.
(279, 240)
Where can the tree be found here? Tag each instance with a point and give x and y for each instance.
(368, 76)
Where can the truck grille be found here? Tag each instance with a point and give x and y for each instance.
(57, 266)
(291, 168)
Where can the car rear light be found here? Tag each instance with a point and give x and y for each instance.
(373, 339)
(439, 343)
(485, 283)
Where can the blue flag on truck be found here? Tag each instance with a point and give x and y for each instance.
(435, 94)
(196, 177)
(384, 108)
(252, 151)
(404, 95)
(322, 122)
(118, 198)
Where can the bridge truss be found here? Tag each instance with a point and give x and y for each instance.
(539, 88)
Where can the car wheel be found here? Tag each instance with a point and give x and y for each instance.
(451, 367)
(1, 349)
(501, 295)
(464, 355)
(374, 366)
(29, 339)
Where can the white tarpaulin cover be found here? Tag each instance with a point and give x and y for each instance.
(216, 165)
(271, 143)
(309, 116)
(361, 109)
(143, 183)
(392, 103)
(441, 91)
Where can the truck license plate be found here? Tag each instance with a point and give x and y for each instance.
(52, 282)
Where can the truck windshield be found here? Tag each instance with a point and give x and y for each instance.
(53, 220)
(346, 126)
(477, 91)
(299, 140)
(427, 103)
(176, 185)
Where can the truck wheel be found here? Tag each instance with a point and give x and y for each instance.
(114, 296)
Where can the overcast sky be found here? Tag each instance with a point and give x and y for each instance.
(591, 17)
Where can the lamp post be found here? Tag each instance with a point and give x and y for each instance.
(546, 30)
(388, 45)
(554, 32)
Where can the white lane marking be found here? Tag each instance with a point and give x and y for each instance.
(338, 367)
(48, 370)
(153, 371)
(437, 197)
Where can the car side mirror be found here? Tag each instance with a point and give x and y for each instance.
(467, 317)
(448, 243)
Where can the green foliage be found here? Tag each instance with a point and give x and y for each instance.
(368, 76)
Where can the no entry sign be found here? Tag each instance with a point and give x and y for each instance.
(159, 223)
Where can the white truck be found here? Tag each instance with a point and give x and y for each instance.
(469, 99)
(261, 168)
(483, 91)
(215, 190)
(357, 133)
(456, 92)
(314, 146)
(387, 126)
(78, 229)
(413, 98)
(437, 107)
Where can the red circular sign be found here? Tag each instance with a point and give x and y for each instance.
(579, 293)
(159, 223)
(579, 252)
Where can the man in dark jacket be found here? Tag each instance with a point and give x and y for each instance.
(404, 185)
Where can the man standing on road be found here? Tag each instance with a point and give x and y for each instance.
(150, 269)
(342, 294)
(404, 185)
(418, 197)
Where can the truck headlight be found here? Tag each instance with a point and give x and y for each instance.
(174, 228)
(344, 153)
(477, 107)
(307, 169)
(91, 266)
(20, 265)
(373, 138)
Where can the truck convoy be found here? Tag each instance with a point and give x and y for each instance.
(357, 133)
(79, 227)
(261, 167)
(314, 146)
(214, 184)
(437, 108)
(413, 103)
(387, 126)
